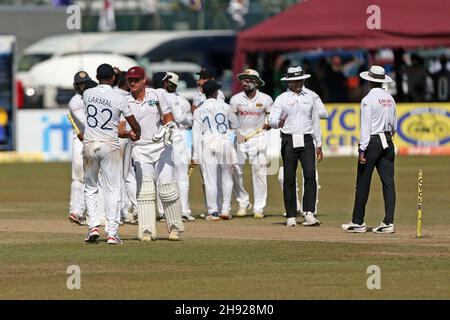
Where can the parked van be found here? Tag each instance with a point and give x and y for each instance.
(50, 83)
(58, 45)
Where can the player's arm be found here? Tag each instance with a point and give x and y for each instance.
(268, 108)
(233, 119)
(135, 127)
(129, 117)
(323, 113)
(366, 128)
(275, 119)
(317, 131)
(196, 138)
(164, 109)
(122, 130)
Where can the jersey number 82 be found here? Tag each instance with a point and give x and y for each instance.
(91, 119)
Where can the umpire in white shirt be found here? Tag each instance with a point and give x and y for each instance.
(295, 112)
(376, 150)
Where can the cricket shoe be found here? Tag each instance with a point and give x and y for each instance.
(258, 215)
(384, 228)
(310, 220)
(303, 214)
(162, 218)
(78, 220)
(146, 236)
(354, 228)
(93, 235)
(212, 217)
(187, 217)
(130, 219)
(226, 216)
(175, 235)
(242, 212)
(114, 240)
(291, 222)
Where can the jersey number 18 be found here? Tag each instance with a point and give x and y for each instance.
(220, 119)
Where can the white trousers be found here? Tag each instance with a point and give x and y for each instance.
(105, 157)
(253, 150)
(211, 163)
(129, 179)
(77, 203)
(182, 159)
(152, 162)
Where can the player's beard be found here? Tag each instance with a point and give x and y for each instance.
(249, 88)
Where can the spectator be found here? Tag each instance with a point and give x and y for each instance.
(417, 75)
(441, 82)
(335, 81)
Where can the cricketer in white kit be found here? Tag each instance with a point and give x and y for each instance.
(77, 118)
(252, 108)
(152, 159)
(103, 108)
(128, 209)
(181, 110)
(77, 204)
(213, 148)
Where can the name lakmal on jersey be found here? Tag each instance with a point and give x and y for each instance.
(100, 101)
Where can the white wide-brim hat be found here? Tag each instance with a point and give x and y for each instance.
(295, 73)
(376, 74)
(251, 74)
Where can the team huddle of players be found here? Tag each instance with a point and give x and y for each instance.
(136, 142)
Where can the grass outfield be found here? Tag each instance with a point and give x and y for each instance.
(239, 259)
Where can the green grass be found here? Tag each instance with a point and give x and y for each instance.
(33, 264)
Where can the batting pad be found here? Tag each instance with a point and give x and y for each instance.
(168, 193)
(146, 209)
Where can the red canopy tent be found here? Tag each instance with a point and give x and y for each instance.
(331, 24)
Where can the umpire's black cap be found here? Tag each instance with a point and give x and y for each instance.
(207, 72)
(105, 71)
(210, 86)
(80, 77)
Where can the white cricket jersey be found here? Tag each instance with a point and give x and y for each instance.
(103, 108)
(378, 115)
(76, 105)
(323, 113)
(301, 114)
(251, 112)
(181, 110)
(122, 92)
(147, 114)
(200, 97)
(214, 117)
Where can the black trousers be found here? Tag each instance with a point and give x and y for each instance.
(383, 160)
(307, 157)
